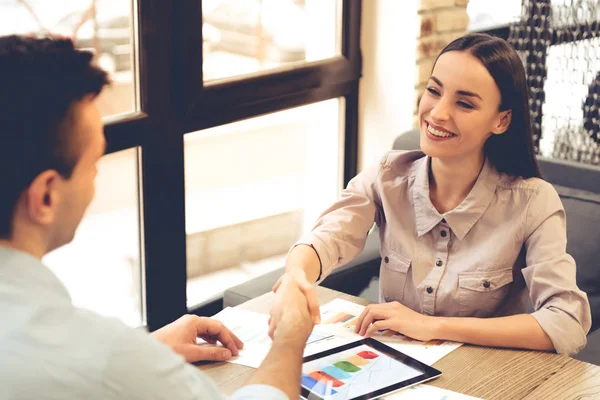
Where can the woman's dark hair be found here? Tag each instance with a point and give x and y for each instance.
(40, 79)
(512, 152)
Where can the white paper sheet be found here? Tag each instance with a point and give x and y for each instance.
(337, 328)
(252, 329)
(342, 315)
(421, 392)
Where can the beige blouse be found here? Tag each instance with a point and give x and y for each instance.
(506, 239)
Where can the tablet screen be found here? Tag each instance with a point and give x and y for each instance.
(360, 370)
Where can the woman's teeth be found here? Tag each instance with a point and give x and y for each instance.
(437, 133)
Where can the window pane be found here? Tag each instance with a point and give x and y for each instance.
(486, 14)
(252, 188)
(101, 268)
(246, 36)
(103, 26)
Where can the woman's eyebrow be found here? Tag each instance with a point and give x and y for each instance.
(461, 92)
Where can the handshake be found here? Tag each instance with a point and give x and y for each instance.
(296, 308)
(292, 318)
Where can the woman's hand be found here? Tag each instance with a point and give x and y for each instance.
(307, 289)
(398, 318)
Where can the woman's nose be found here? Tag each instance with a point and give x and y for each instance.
(440, 112)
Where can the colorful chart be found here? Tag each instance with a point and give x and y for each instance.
(326, 378)
(354, 372)
(368, 355)
(339, 318)
(323, 382)
(336, 372)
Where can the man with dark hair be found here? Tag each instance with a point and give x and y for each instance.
(51, 137)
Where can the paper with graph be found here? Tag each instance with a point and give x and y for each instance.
(341, 315)
(253, 329)
(336, 329)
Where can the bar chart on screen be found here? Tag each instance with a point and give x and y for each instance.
(354, 372)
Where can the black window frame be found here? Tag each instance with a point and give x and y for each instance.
(174, 101)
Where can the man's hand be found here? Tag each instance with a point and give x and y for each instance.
(308, 290)
(290, 319)
(181, 337)
(396, 317)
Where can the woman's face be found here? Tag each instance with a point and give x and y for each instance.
(459, 110)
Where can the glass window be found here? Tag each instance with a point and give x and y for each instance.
(486, 14)
(102, 26)
(101, 267)
(241, 37)
(253, 188)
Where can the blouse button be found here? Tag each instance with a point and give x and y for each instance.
(444, 233)
(486, 284)
(386, 259)
(439, 263)
(429, 289)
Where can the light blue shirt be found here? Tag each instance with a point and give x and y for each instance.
(50, 349)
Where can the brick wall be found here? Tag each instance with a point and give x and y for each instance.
(440, 22)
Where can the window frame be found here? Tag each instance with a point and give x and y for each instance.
(174, 101)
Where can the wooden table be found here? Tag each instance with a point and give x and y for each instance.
(477, 371)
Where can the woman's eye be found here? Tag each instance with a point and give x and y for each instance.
(433, 91)
(465, 105)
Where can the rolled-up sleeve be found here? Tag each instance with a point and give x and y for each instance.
(139, 367)
(561, 308)
(340, 233)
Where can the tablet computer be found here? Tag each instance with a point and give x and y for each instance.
(361, 370)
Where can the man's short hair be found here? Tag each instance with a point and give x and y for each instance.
(40, 79)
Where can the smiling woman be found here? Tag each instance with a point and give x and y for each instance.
(467, 228)
(484, 105)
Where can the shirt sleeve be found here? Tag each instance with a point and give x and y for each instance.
(340, 233)
(561, 308)
(140, 367)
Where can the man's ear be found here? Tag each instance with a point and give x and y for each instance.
(42, 197)
(503, 122)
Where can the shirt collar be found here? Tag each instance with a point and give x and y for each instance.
(28, 273)
(466, 214)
